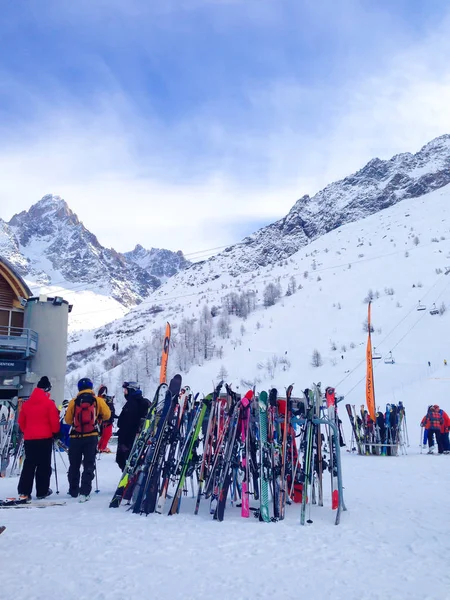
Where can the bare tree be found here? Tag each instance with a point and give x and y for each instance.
(316, 359)
(222, 374)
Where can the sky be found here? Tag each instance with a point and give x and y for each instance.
(188, 124)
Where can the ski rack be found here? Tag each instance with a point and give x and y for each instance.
(302, 421)
(401, 445)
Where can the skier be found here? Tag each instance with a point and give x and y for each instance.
(433, 422)
(83, 413)
(444, 432)
(130, 418)
(39, 422)
(429, 364)
(64, 429)
(106, 427)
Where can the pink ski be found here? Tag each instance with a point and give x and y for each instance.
(245, 418)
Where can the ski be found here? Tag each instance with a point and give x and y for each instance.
(138, 449)
(265, 458)
(17, 503)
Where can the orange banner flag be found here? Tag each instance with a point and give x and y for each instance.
(370, 388)
(165, 355)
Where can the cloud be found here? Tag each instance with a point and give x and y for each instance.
(220, 132)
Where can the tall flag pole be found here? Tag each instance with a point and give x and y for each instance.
(370, 387)
(165, 355)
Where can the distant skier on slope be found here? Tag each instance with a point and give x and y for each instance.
(433, 422)
(429, 364)
(130, 418)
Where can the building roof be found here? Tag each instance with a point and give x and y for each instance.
(16, 282)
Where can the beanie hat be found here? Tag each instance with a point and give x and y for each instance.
(102, 390)
(44, 384)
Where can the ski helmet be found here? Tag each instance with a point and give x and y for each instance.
(131, 385)
(85, 384)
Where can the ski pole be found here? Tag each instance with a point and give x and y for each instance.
(55, 469)
(96, 479)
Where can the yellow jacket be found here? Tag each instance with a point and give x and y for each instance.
(103, 413)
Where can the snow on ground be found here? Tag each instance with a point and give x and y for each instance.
(393, 541)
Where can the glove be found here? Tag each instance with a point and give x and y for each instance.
(57, 436)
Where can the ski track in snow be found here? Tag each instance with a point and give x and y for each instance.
(393, 542)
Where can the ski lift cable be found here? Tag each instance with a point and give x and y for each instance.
(395, 345)
(92, 287)
(412, 310)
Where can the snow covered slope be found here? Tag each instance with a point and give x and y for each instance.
(401, 254)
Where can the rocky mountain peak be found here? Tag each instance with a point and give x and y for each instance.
(157, 261)
(377, 185)
(50, 230)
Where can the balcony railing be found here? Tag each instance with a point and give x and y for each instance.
(18, 340)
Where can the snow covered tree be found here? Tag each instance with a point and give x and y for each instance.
(271, 294)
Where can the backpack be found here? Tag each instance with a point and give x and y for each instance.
(85, 414)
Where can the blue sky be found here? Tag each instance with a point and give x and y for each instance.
(213, 114)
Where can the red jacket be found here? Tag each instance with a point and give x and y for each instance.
(445, 427)
(39, 417)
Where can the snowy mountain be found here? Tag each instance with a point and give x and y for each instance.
(158, 262)
(48, 244)
(378, 185)
(227, 325)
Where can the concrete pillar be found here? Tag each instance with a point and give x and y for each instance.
(49, 318)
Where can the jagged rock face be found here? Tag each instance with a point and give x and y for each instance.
(380, 184)
(10, 249)
(158, 262)
(51, 229)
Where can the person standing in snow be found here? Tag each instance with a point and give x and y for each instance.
(445, 427)
(64, 429)
(84, 413)
(106, 427)
(39, 422)
(130, 419)
(433, 422)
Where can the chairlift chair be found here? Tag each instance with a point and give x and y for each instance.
(389, 360)
(421, 306)
(375, 355)
(434, 310)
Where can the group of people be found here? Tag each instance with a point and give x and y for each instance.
(87, 428)
(436, 424)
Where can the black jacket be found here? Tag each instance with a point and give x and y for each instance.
(133, 411)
